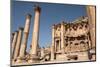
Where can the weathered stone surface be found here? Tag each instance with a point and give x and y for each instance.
(25, 38)
(17, 48)
(14, 43)
(71, 42)
(35, 35)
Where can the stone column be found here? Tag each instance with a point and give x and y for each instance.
(35, 36)
(14, 42)
(53, 43)
(25, 38)
(91, 12)
(62, 36)
(17, 48)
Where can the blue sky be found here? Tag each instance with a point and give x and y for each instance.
(50, 14)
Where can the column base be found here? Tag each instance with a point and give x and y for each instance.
(13, 61)
(20, 59)
(52, 57)
(34, 59)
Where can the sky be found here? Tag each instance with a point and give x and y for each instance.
(50, 14)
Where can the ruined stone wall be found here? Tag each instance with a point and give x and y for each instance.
(76, 36)
(76, 39)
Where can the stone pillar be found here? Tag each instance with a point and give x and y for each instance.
(25, 38)
(91, 12)
(53, 43)
(14, 42)
(35, 36)
(62, 37)
(17, 48)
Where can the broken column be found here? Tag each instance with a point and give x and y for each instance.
(53, 44)
(35, 36)
(14, 42)
(17, 48)
(25, 38)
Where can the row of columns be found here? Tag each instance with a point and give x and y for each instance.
(18, 47)
(25, 38)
